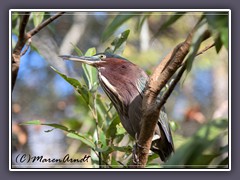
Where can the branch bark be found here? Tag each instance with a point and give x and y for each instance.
(23, 38)
(19, 46)
(161, 75)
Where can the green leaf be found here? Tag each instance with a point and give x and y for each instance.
(112, 129)
(223, 149)
(115, 164)
(141, 20)
(126, 149)
(116, 23)
(34, 48)
(223, 163)
(90, 52)
(106, 148)
(77, 50)
(14, 16)
(217, 20)
(102, 138)
(82, 138)
(102, 109)
(196, 42)
(38, 122)
(72, 123)
(152, 157)
(172, 19)
(120, 129)
(203, 160)
(76, 84)
(57, 126)
(218, 44)
(33, 122)
(155, 166)
(224, 36)
(120, 42)
(174, 126)
(37, 18)
(218, 23)
(196, 146)
(15, 31)
(90, 73)
(71, 133)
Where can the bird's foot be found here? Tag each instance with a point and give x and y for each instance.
(135, 156)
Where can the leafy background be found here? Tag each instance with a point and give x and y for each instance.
(59, 108)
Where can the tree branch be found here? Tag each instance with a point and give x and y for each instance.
(23, 38)
(205, 49)
(20, 44)
(177, 79)
(44, 23)
(26, 47)
(161, 75)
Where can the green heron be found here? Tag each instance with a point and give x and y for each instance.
(124, 84)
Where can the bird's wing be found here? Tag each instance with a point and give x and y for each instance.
(141, 83)
(163, 120)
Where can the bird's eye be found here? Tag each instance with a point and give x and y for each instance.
(102, 56)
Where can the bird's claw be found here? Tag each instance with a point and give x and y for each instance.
(135, 156)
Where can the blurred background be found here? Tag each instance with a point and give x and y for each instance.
(41, 94)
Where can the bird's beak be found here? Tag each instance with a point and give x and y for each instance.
(91, 60)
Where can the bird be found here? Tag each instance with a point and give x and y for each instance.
(124, 83)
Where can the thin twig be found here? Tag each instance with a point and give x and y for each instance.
(172, 86)
(178, 77)
(122, 164)
(26, 47)
(205, 49)
(99, 158)
(22, 39)
(96, 121)
(44, 23)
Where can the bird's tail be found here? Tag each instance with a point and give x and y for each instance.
(163, 148)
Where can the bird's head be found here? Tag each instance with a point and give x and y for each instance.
(99, 60)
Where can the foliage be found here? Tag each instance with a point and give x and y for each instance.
(108, 127)
(219, 26)
(200, 151)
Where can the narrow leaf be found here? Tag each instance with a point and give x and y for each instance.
(196, 42)
(90, 52)
(77, 50)
(141, 20)
(119, 42)
(37, 18)
(218, 44)
(82, 138)
(169, 22)
(90, 73)
(76, 84)
(172, 20)
(57, 126)
(33, 122)
(224, 37)
(112, 129)
(116, 23)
